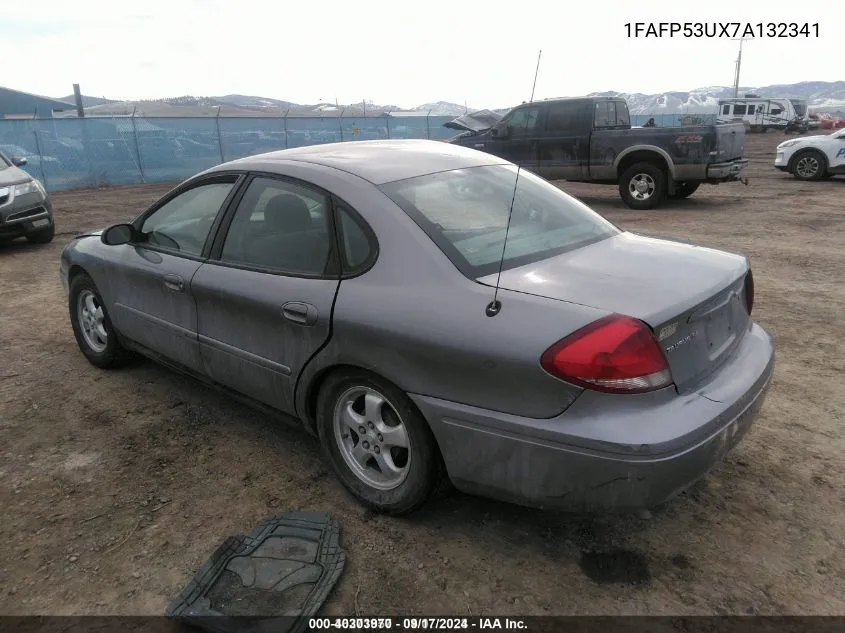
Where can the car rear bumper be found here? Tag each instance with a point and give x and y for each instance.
(724, 172)
(606, 453)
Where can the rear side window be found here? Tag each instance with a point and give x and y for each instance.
(611, 114)
(605, 114)
(465, 212)
(280, 226)
(622, 115)
(356, 245)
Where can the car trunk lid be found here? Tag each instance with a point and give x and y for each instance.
(693, 298)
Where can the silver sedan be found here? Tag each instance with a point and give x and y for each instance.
(432, 313)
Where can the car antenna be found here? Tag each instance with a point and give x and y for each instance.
(495, 306)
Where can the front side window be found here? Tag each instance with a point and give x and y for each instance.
(465, 212)
(183, 223)
(281, 226)
(523, 122)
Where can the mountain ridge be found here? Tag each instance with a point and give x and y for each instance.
(823, 96)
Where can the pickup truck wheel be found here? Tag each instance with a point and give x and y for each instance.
(684, 190)
(642, 186)
(809, 165)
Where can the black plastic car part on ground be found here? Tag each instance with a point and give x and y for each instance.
(272, 579)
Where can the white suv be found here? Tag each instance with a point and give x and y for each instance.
(813, 157)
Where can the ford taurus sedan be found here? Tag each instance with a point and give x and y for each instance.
(430, 311)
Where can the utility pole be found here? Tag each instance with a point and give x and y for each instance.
(77, 96)
(738, 64)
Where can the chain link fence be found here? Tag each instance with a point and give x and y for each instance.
(73, 153)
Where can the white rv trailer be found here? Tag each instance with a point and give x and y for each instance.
(762, 114)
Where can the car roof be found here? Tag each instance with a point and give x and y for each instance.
(379, 162)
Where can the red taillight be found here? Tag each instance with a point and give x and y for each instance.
(749, 291)
(615, 354)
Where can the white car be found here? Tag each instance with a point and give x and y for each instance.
(813, 157)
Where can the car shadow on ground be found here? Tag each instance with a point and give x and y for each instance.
(599, 544)
(20, 246)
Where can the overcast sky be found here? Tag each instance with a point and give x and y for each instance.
(402, 53)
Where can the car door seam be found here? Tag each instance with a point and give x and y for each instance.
(157, 321)
(255, 359)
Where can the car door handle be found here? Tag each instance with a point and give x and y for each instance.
(174, 283)
(300, 313)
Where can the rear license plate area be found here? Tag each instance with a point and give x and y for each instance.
(719, 331)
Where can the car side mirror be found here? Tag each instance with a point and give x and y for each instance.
(118, 234)
(501, 130)
(19, 162)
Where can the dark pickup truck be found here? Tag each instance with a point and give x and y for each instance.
(590, 139)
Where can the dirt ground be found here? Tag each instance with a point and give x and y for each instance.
(116, 486)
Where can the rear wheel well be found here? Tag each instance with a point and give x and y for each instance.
(313, 392)
(643, 156)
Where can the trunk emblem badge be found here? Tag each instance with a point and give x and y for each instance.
(689, 337)
(667, 331)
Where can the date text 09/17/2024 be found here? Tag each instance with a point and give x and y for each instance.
(419, 624)
(722, 29)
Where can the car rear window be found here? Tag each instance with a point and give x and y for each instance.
(465, 212)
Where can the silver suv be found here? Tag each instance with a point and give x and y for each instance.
(25, 207)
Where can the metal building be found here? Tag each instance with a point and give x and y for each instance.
(15, 104)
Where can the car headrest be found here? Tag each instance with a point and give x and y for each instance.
(287, 213)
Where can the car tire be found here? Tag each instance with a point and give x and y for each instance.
(684, 190)
(383, 476)
(653, 187)
(43, 236)
(89, 335)
(809, 165)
